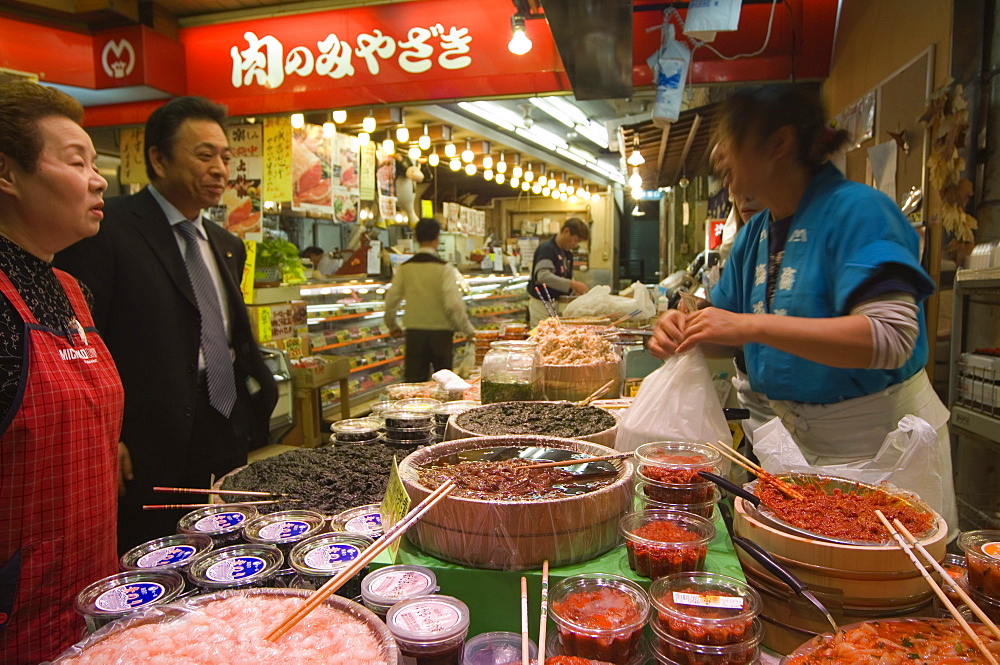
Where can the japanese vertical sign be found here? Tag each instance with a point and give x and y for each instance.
(130, 147)
(277, 180)
(242, 195)
(367, 166)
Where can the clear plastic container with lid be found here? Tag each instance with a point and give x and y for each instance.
(284, 528)
(419, 404)
(662, 542)
(430, 630)
(385, 587)
(175, 552)
(599, 616)
(366, 520)
(379, 408)
(671, 469)
(644, 493)
(407, 419)
(236, 566)
(223, 523)
(498, 648)
(446, 410)
(982, 557)
(704, 608)
(119, 595)
(355, 430)
(317, 559)
(510, 372)
(669, 650)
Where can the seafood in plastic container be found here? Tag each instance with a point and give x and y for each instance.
(982, 558)
(671, 469)
(174, 552)
(599, 616)
(319, 558)
(284, 529)
(223, 522)
(430, 630)
(355, 430)
(662, 542)
(418, 404)
(669, 650)
(643, 491)
(407, 419)
(366, 520)
(704, 608)
(236, 566)
(119, 595)
(498, 648)
(407, 435)
(385, 587)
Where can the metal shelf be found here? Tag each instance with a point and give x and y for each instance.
(975, 422)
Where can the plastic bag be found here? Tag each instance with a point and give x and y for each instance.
(910, 458)
(670, 72)
(599, 302)
(706, 17)
(677, 402)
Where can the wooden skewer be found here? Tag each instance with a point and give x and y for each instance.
(205, 505)
(945, 576)
(525, 641)
(191, 490)
(592, 396)
(320, 595)
(580, 460)
(938, 590)
(764, 476)
(634, 312)
(543, 624)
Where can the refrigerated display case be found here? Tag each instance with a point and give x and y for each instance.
(346, 319)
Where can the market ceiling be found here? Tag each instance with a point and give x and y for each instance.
(792, 38)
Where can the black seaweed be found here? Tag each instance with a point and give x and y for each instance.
(542, 418)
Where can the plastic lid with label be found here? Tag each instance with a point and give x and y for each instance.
(704, 599)
(123, 593)
(366, 520)
(427, 620)
(982, 543)
(217, 520)
(172, 552)
(284, 527)
(236, 566)
(325, 554)
(387, 586)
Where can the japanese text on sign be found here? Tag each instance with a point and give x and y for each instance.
(264, 61)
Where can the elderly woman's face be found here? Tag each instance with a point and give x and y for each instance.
(62, 199)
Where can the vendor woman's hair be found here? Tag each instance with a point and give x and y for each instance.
(755, 113)
(22, 104)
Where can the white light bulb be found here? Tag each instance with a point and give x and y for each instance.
(635, 180)
(581, 192)
(517, 171)
(433, 159)
(455, 164)
(470, 169)
(487, 175)
(536, 189)
(636, 194)
(500, 178)
(388, 146)
(501, 166)
(546, 191)
(368, 124)
(413, 153)
(488, 162)
(424, 142)
(450, 150)
(402, 134)
(329, 129)
(572, 198)
(636, 158)
(519, 43)
(298, 120)
(515, 182)
(529, 175)
(339, 117)
(562, 187)
(595, 197)
(542, 179)
(364, 138)
(526, 185)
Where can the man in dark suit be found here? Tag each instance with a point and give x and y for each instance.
(197, 392)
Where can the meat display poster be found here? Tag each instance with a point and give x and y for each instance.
(246, 168)
(311, 170)
(385, 180)
(133, 161)
(277, 180)
(344, 177)
(367, 168)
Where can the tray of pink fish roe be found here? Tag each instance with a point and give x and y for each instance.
(229, 627)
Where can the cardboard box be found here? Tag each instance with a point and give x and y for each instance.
(332, 369)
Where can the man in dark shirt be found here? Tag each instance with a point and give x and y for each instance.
(552, 267)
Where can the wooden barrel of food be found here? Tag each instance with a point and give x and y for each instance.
(855, 582)
(518, 534)
(514, 418)
(576, 382)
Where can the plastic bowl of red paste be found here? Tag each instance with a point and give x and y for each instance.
(663, 542)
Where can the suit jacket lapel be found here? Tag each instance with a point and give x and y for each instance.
(224, 259)
(152, 224)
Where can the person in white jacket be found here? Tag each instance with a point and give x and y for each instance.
(433, 310)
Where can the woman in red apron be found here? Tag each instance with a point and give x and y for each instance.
(60, 398)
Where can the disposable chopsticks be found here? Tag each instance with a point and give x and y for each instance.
(764, 476)
(580, 460)
(192, 490)
(592, 396)
(634, 312)
(543, 623)
(320, 595)
(959, 591)
(205, 505)
(547, 302)
(938, 590)
(525, 641)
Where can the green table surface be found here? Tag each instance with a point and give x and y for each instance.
(494, 596)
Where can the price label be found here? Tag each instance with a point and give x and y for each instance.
(992, 550)
(395, 504)
(727, 602)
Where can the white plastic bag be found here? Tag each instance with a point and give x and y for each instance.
(599, 302)
(706, 17)
(909, 459)
(670, 75)
(677, 402)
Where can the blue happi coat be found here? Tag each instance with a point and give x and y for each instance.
(841, 234)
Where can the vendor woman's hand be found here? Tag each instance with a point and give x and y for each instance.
(715, 326)
(668, 333)
(124, 468)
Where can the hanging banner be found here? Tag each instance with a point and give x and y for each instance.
(311, 170)
(246, 167)
(366, 164)
(276, 182)
(133, 161)
(344, 178)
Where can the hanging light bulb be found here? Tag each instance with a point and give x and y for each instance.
(581, 192)
(402, 134)
(555, 195)
(455, 164)
(500, 178)
(424, 142)
(487, 174)
(542, 179)
(502, 164)
(329, 129)
(515, 182)
(636, 158)
(364, 138)
(450, 150)
(636, 194)
(529, 175)
(388, 147)
(298, 121)
(433, 159)
(368, 124)
(470, 169)
(536, 189)
(413, 153)
(564, 197)
(546, 191)
(635, 180)
(572, 198)
(562, 187)
(519, 43)
(525, 185)
(595, 197)
(488, 161)
(339, 116)
(517, 172)
(467, 154)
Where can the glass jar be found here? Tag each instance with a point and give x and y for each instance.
(510, 372)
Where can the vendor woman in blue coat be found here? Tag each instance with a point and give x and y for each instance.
(823, 291)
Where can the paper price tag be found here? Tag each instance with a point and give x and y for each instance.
(395, 504)
(727, 602)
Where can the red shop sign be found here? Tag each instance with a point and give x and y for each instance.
(413, 51)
